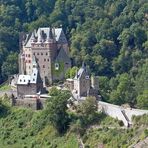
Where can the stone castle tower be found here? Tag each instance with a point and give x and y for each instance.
(49, 47)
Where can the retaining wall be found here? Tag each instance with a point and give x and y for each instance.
(124, 114)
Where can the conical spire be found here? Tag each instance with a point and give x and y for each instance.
(50, 33)
(50, 36)
(33, 39)
(40, 38)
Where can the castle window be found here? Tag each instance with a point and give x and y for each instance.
(44, 60)
(41, 53)
(56, 66)
(24, 80)
(29, 61)
(43, 66)
(48, 60)
(29, 55)
(37, 53)
(86, 77)
(29, 67)
(34, 53)
(33, 79)
(46, 53)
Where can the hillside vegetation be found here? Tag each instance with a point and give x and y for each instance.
(58, 127)
(110, 36)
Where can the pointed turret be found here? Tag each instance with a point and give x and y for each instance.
(50, 33)
(50, 36)
(33, 39)
(40, 37)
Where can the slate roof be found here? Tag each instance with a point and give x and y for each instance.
(79, 73)
(59, 35)
(82, 70)
(62, 56)
(26, 79)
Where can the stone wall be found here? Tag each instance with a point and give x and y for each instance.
(27, 103)
(26, 89)
(32, 103)
(123, 114)
(113, 111)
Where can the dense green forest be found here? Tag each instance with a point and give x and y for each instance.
(110, 36)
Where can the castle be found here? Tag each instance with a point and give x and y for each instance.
(48, 47)
(43, 60)
(83, 84)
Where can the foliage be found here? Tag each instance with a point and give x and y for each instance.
(22, 127)
(71, 72)
(57, 110)
(57, 72)
(5, 87)
(4, 106)
(87, 110)
(140, 120)
(115, 46)
(53, 91)
(142, 100)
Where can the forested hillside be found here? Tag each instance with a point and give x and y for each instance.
(111, 36)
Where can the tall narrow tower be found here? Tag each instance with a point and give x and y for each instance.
(52, 49)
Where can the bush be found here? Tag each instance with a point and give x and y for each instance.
(120, 123)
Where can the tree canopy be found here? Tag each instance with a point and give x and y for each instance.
(110, 36)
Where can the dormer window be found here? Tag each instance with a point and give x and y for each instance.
(56, 66)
